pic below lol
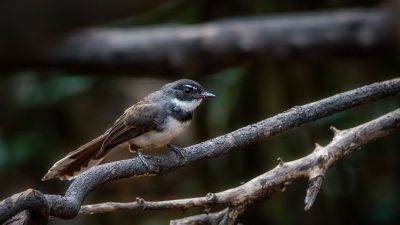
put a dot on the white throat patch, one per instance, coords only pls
(186, 105)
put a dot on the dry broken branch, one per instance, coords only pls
(68, 206)
(205, 48)
(217, 218)
(312, 166)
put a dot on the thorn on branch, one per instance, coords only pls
(314, 185)
(280, 162)
(335, 130)
(317, 147)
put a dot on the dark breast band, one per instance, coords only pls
(181, 115)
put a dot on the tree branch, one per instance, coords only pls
(68, 206)
(205, 48)
(31, 200)
(217, 218)
(312, 166)
(228, 216)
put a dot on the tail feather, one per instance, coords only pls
(78, 161)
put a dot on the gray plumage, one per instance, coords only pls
(150, 123)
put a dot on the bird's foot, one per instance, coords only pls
(141, 157)
(135, 149)
(177, 150)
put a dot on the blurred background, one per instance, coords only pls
(63, 83)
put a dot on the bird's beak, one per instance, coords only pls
(207, 94)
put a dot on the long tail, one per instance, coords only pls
(78, 161)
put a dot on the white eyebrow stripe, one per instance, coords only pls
(190, 86)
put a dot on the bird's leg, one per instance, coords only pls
(135, 148)
(177, 150)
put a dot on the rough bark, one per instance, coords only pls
(313, 166)
(68, 206)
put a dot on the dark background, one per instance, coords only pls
(48, 112)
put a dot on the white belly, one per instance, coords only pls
(155, 139)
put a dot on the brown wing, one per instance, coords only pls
(136, 121)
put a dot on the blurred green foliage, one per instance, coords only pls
(33, 90)
(20, 149)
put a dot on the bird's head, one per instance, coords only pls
(186, 94)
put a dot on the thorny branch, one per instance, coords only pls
(312, 166)
(68, 206)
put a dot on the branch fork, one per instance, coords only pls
(259, 188)
(313, 166)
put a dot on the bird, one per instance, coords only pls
(150, 123)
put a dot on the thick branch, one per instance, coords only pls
(270, 182)
(31, 200)
(68, 206)
(213, 46)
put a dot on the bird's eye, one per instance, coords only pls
(188, 90)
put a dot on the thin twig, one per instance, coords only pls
(216, 218)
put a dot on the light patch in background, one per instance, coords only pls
(32, 89)
(226, 86)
